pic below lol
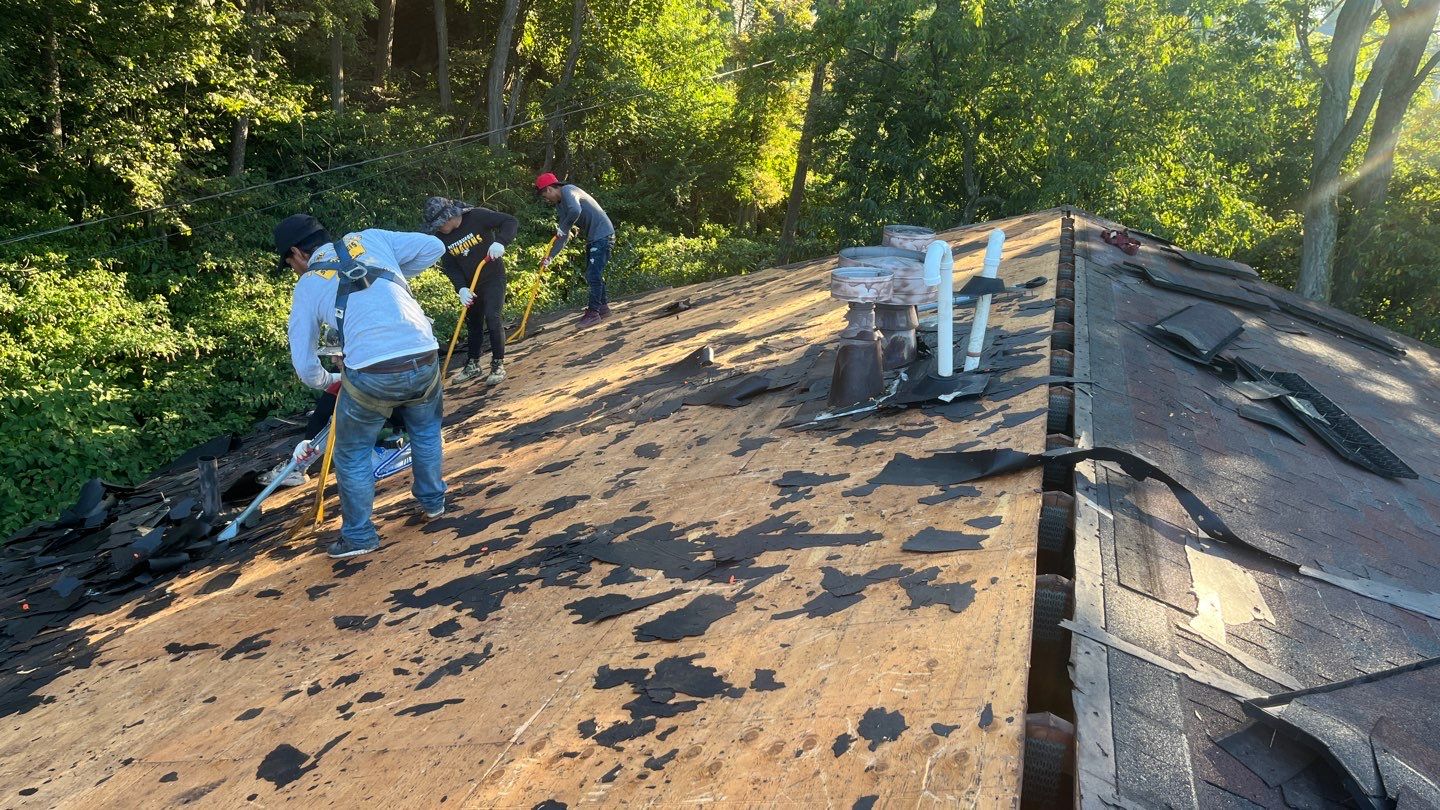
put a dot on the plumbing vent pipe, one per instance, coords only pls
(940, 269)
(982, 307)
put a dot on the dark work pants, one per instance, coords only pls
(484, 315)
(597, 255)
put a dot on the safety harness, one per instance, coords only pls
(354, 276)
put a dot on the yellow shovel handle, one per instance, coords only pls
(459, 322)
(534, 291)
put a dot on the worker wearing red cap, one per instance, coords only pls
(576, 207)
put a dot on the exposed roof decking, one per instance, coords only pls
(516, 738)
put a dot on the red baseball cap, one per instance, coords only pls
(545, 181)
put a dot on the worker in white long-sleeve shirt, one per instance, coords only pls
(361, 290)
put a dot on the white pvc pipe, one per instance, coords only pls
(982, 307)
(940, 269)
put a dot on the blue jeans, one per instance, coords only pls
(597, 254)
(356, 428)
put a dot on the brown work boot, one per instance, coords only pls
(589, 317)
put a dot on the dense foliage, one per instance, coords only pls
(126, 341)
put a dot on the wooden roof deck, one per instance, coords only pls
(448, 669)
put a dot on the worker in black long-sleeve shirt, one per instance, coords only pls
(470, 235)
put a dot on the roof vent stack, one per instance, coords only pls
(940, 269)
(859, 375)
(982, 307)
(895, 318)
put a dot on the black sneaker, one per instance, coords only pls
(342, 548)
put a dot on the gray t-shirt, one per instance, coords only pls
(576, 207)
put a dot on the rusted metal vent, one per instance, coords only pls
(1049, 761)
(1062, 363)
(858, 376)
(908, 266)
(1054, 596)
(895, 317)
(1062, 402)
(1063, 337)
(907, 237)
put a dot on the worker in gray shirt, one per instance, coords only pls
(576, 207)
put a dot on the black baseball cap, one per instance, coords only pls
(294, 231)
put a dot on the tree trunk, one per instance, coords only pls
(337, 69)
(384, 43)
(513, 107)
(442, 51)
(240, 132)
(54, 91)
(802, 164)
(1337, 125)
(1372, 185)
(239, 136)
(968, 176)
(555, 140)
(495, 101)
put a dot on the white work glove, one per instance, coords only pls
(333, 380)
(559, 234)
(305, 453)
(496, 251)
(466, 297)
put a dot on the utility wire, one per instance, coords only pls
(456, 141)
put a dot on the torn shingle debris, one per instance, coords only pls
(1331, 423)
(691, 620)
(932, 540)
(946, 468)
(1200, 285)
(1378, 728)
(1204, 328)
(1265, 416)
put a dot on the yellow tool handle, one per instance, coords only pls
(325, 463)
(459, 322)
(534, 291)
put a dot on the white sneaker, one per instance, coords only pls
(296, 478)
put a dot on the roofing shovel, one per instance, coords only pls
(965, 300)
(234, 528)
(455, 338)
(534, 291)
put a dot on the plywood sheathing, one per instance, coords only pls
(512, 689)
